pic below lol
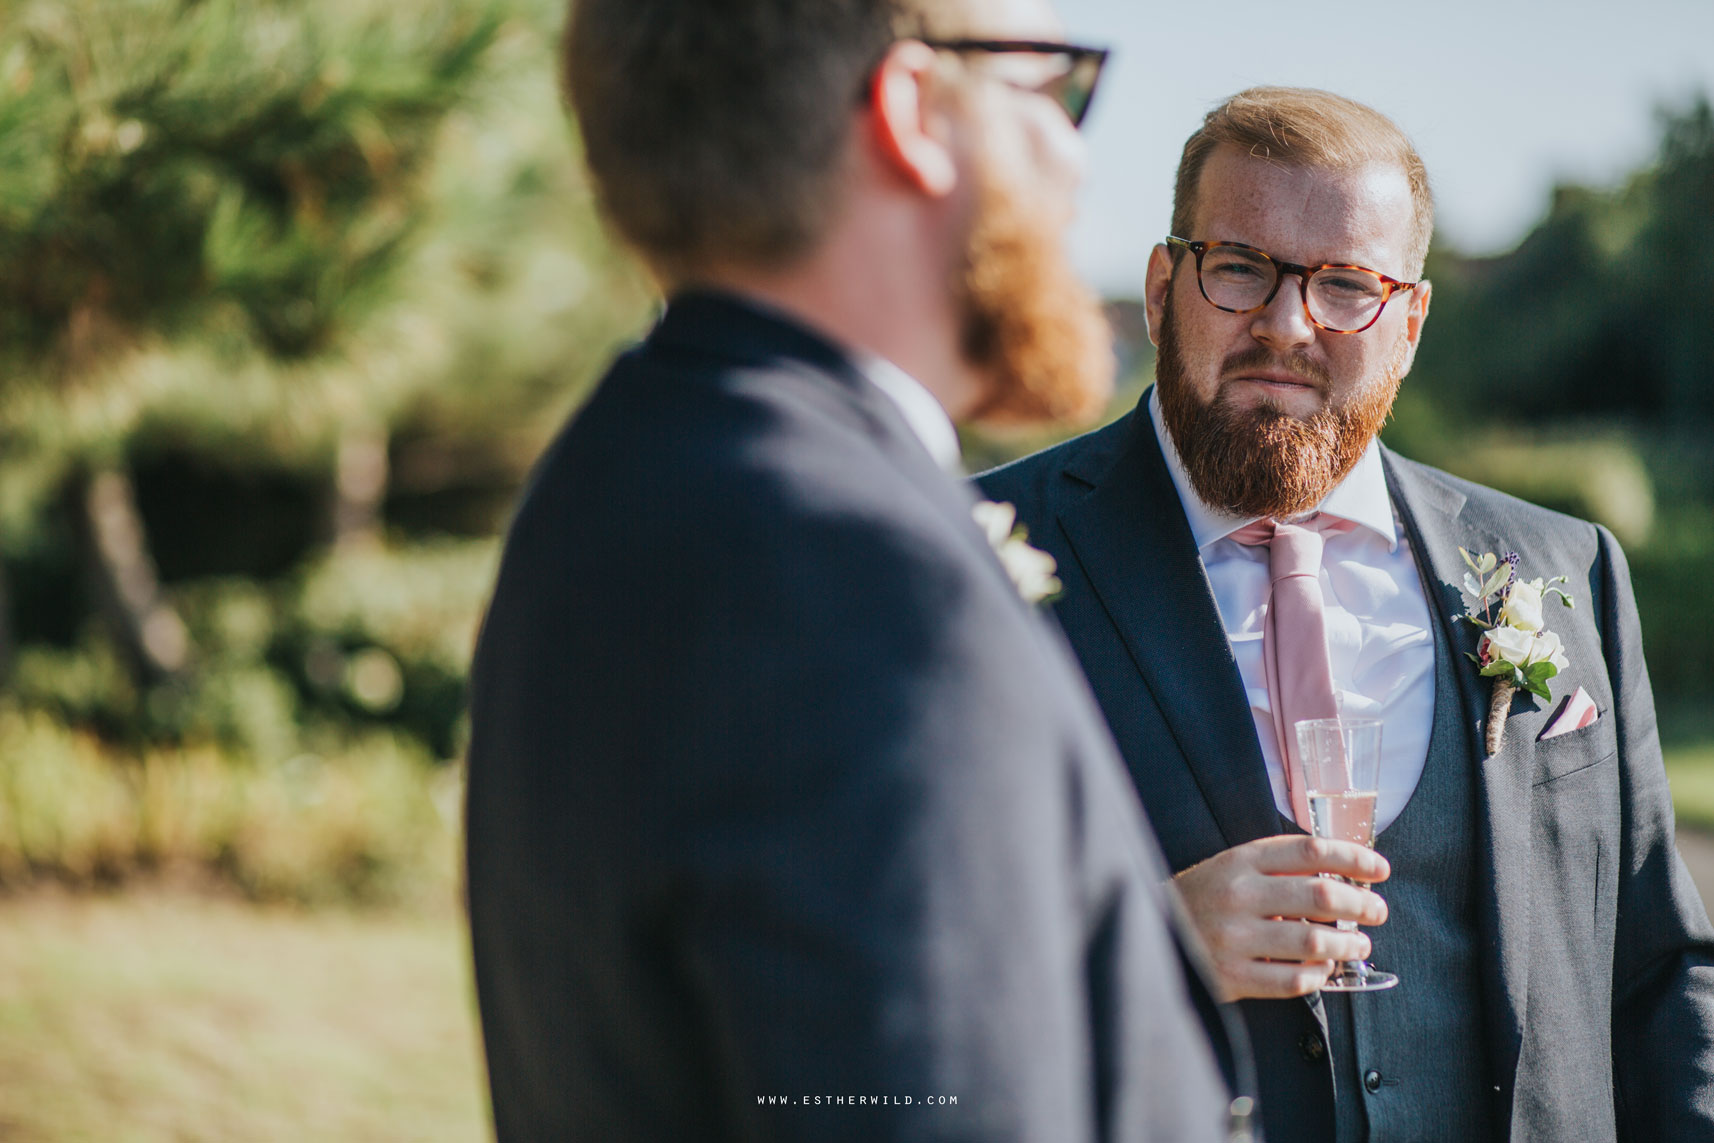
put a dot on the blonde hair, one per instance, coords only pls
(1303, 127)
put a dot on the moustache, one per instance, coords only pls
(1259, 359)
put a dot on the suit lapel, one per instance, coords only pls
(1131, 538)
(1433, 514)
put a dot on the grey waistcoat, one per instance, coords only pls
(1409, 1063)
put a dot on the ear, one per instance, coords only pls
(1155, 287)
(1415, 318)
(911, 135)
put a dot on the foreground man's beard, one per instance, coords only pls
(1030, 323)
(1262, 461)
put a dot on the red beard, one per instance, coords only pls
(1262, 461)
(1029, 322)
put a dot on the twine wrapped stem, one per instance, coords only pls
(1499, 705)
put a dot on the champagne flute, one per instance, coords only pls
(1339, 764)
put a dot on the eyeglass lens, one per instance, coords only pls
(1075, 87)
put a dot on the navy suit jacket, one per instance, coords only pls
(1600, 1014)
(787, 818)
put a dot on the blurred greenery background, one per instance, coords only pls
(291, 296)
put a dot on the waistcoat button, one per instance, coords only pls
(1311, 1046)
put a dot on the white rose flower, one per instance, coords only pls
(1549, 648)
(995, 519)
(1030, 568)
(1511, 644)
(1523, 605)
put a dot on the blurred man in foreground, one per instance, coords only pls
(1554, 960)
(788, 817)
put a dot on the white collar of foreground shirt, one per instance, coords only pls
(922, 411)
(1361, 497)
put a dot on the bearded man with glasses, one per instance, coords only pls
(789, 817)
(1555, 965)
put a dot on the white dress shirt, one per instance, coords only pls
(1378, 636)
(922, 411)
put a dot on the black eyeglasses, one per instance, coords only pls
(1241, 279)
(1072, 88)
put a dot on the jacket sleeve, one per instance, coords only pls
(1663, 967)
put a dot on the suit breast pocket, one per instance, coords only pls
(1572, 753)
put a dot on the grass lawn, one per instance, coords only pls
(1687, 741)
(175, 1017)
(159, 1016)
(1690, 769)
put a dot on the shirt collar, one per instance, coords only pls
(922, 411)
(1361, 497)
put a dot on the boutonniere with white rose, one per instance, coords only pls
(1030, 568)
(1517, 651)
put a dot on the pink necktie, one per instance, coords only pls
(1294, 635)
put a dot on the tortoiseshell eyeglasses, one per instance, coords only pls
(1241, 279)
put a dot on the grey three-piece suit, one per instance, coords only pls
(1557, 962)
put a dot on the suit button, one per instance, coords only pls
(1311, 1046)
(1371, 1081)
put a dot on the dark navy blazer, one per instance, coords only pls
(788, 819)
